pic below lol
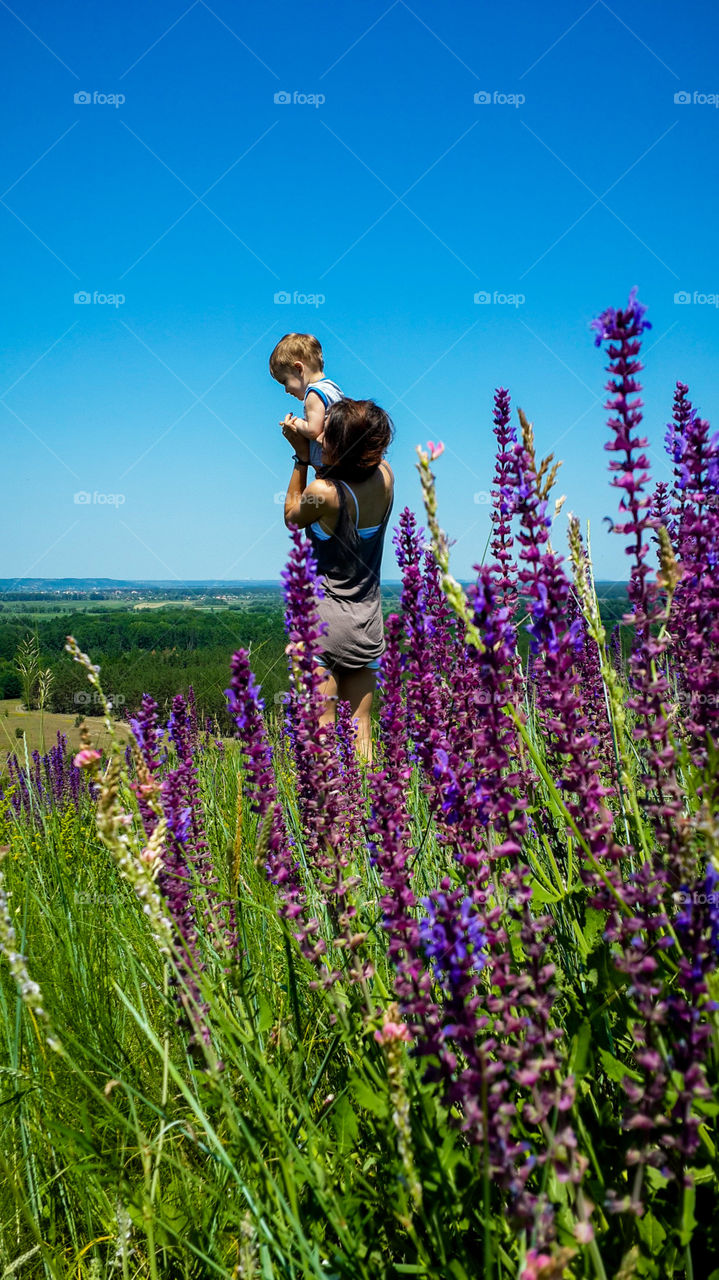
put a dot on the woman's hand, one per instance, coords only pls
(299, 442)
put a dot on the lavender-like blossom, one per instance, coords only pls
(175, 883)
(146, 729)
(53, 781)
(649, 888)
(675, 442)
(569, 744)
(630, 474)
(696, 600)
(146, 784)
(192, 716)
(246, 707)
(427, 705)
(196, 843)
(392, 852)
(687, 1010)
(451, 935)
(661, 509)
(319, 780)
(501, 546)
(588, 667)
(351, 797)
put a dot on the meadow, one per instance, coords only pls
(267, 1010)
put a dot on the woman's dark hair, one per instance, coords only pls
(357, 436)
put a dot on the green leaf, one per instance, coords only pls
(266, 1014)
(704, 1135)
(542, 895)
(615, 1069)
(345, 1124)
(580, 1049)
(655, 1178)
(706, 1108)
(594, 923)
(651, 1232)
(371, 1099)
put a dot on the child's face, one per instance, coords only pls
(294, 381)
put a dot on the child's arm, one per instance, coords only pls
(316, 410)
(313, 425)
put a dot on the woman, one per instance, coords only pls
(346, 510)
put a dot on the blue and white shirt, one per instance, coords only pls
(329, 393)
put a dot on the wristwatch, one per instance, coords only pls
(303, 462)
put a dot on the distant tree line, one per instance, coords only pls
(159, 651)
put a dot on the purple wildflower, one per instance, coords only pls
(451, 934)
(319, 780)
(175, 883)
(246, 708)
(647, 890)
(196, 843)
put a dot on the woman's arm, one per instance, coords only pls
(305, 503)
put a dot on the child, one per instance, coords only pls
(297, 363)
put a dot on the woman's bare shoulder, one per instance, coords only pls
(326, 490)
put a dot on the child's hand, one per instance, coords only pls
(299, 425)
(296, 438)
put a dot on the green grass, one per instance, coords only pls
(294, 1145)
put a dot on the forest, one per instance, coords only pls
(163, 650)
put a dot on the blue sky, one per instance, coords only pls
(395, 200)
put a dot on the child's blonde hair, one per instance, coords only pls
(296, 346)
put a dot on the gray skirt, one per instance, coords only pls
(355, 635)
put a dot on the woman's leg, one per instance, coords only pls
(358, 688)
(329, 690)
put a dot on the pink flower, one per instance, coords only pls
(584, 1232)
(86, 757)
(435, 449)
(392, 1031)
(535, 1262)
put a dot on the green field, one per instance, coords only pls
(39, 731)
